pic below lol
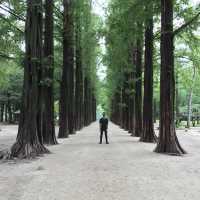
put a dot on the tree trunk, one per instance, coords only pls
(189, 113)
(131, 103)
(6, 112)
(67, 85)
(138, 88)
(155, 110)
(86, 99)
(27, 144)
(79, 76)
(177, 102)
(48, 126)
(9, 107)
(2, 112)
(133, 95)
(168, 142)
(148, 134)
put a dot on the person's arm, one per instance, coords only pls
(107, 123)
(100, 124)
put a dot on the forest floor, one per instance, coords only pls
(81, 169)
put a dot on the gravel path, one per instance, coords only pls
(81, 169)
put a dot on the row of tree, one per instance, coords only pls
(126, 40)
(46, 44)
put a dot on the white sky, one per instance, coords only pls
(99, 7)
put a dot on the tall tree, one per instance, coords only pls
(67, 62)
(71, 69)
(48, 125)
(27, 143)
(79, 74)
(138, 88)
(148, 124)
(168, 141)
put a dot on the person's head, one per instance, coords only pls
(104, 114)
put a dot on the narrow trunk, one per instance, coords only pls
(148, 134)
(190, 100)
(133, 95)
(177, 102)
(2, 112)
(138, 88)
(10, 118)
(189, 112)
(86, 99)
(131, 103)
(79, 75)
(64, 88)
(48, 126)
(155, 110)
(6, 112)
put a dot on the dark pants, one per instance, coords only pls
(106, 135)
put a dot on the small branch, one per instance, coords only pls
(7, 21)
(57, 10)
(181, 28)
(12, 13)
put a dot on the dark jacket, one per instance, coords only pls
(103, 123)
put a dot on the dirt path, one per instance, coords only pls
(81, 169)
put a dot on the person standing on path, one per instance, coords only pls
(103, 123)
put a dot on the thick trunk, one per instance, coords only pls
(168, 141)
(48, 125)
(66, 91)
(148, 134)
(27, 144)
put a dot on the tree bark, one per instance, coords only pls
(27, 144)
(79, 76)
(2, 112)
(138, 88)
(148, 134)
(48, 126)
(177, 101)
(190, 95)
(168, 142)
(67, 84)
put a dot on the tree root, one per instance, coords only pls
(173, 148)
(27, 151)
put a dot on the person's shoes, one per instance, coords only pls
(100, 142)
(107, 142)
